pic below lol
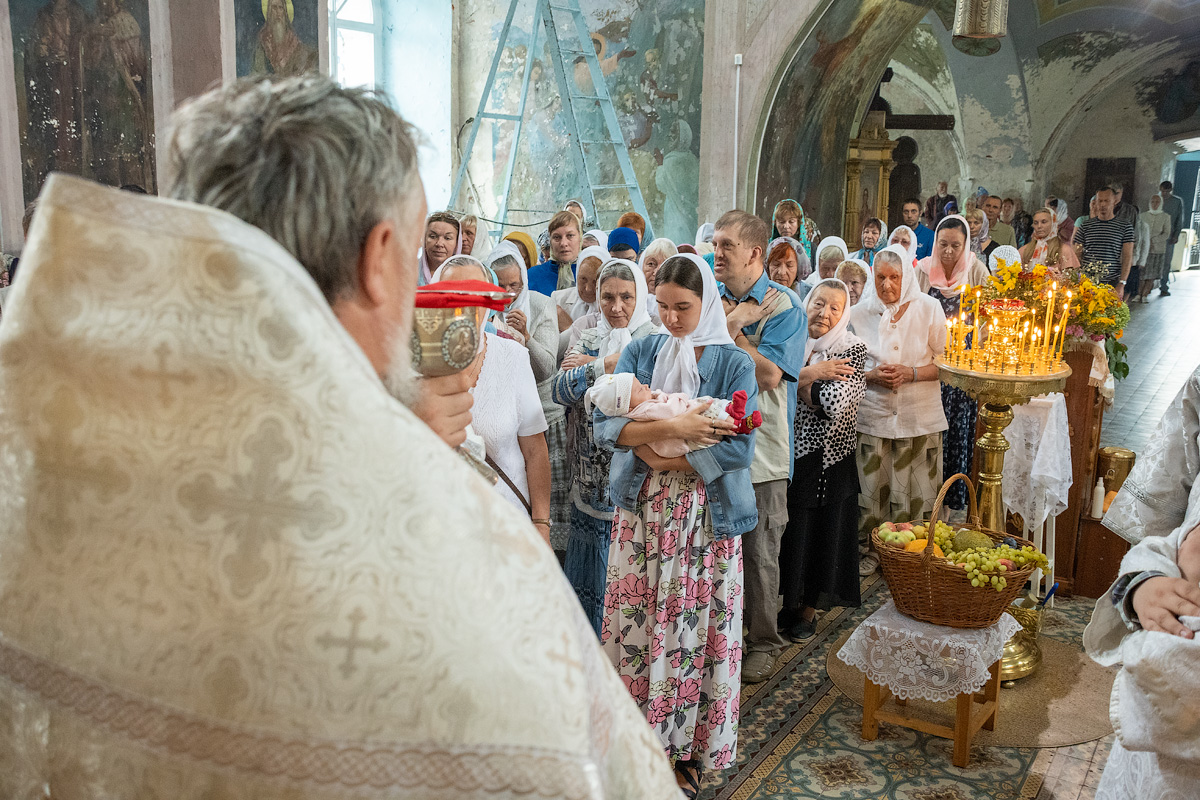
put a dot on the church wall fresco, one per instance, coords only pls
(276, 37)
(84, 97)
(651, 53)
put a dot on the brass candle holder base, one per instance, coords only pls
(997, 393)
(1022, 653)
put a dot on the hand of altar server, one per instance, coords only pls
(1160, 602)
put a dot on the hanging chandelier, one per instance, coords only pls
(979, 25)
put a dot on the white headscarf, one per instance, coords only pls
(581, 307)
(953, 284)
(424, 274)
(837, 338)
(912, 238)
(507, 248)
(829, 241)
(613, 340)
(909, 288)
(675, 367)
(705, 233)
(601, 238)
(1006, 253)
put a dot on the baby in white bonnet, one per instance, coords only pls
(623, 395)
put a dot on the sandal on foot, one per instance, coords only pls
(690, 771)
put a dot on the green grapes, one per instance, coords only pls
(983, 565)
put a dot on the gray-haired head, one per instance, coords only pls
(614, 269)
(891, 258)
(314, 165)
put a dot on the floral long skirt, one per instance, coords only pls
(673, 618)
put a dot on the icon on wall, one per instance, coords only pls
(84, 98)
(276, 37)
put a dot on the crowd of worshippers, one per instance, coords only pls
(707, 432)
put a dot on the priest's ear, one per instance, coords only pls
(387, 263)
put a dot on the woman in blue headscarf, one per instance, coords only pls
(789, 220)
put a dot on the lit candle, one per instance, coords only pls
(1050, 310)
(1052, 358)
(1021, 348)
(975, 344)
(949, 353)
(1062, 337)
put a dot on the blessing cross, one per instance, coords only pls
(352, 643)
(163, 375)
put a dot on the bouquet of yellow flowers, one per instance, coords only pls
(1096, 312)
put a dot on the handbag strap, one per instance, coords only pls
(508, 482)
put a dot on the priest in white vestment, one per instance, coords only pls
(232, 565)
(1148, 621)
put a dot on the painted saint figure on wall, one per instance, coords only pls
(276, 37)
(116, 116)
(84, 97)
(280, 51)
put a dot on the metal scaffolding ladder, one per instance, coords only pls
(592, 157)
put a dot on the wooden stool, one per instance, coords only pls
(966, 724)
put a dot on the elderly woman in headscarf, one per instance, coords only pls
(1047, 246)
(947, 275)
(789, 220)
(788, 264)
(873, 237)
(818, 558)
(856, 275)
(831, 252)
(577, 302)
(443, 239)
(900, 418)
(525, 245)
(532, 321)
(596, 238)
(982, 243)
(651, 259)
(906, 238)
(673, 610)
(508, 413)
(623, 319)
(1063, 224)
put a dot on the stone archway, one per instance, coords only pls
(821, 98)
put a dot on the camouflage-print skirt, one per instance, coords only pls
(898, 479)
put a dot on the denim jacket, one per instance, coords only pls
(724, 467)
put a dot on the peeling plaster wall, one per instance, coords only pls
(1115, 127)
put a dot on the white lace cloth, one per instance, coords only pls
(919, 660)
(1037, 468)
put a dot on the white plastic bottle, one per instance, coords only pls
(1098, 499)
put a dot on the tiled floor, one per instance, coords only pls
(1071, 773)
(1164, 348)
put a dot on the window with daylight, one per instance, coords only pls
(356, 46)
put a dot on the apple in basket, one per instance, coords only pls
(898, 534)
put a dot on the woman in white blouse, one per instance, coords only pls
(900, 420)
(507, 413)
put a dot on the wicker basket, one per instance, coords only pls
(932, 589)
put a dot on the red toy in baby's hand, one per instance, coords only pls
(737, 412)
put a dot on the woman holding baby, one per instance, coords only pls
(673, 609)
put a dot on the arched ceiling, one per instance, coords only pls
(1058, 56)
